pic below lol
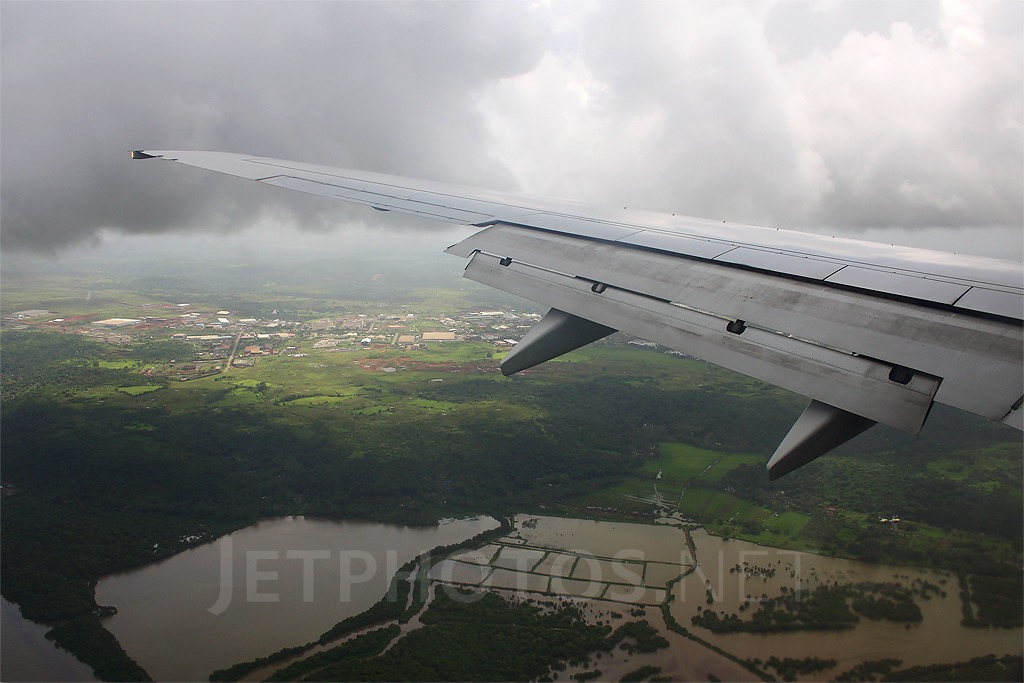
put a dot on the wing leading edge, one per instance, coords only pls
(869, 332)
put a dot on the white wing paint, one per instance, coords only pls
(869, 332)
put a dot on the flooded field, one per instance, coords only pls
(938, 637)
(615, 564)
(576, 557)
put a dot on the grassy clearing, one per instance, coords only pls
(99, 392)
(321, 401)
(632, 493)
(681, 462)
(139, 390)
(120, 364)
(957, 470)
(499, 410)
(624, 497)
(710, 504)
(680, 465)
(730, 462)
(456, 352)
(633, 487)
(990, 463)
(238, 397)
(787, 523)
(372, 410)
(432, 406)
(242, 383)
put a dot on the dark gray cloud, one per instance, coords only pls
(380, 86)
(834, 115)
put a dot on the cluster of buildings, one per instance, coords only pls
(407, 331)
(216, 334)
(220, 337)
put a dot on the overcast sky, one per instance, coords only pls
(891, 120)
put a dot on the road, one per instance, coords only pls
(234, 348)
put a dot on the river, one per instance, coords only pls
(276, 584)
(29, 656)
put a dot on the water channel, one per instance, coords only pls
(276, 584)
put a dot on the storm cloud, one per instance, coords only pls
(807, 115)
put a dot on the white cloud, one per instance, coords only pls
(691, 107)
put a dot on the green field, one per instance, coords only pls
(684, 463)
(139, 390)
(787, 523)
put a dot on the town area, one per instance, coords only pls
(223, 340)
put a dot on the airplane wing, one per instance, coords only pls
(871, 333)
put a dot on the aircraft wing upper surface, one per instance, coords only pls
(869, 332)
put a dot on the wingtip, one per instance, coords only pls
(139, 154)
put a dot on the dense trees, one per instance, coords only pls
(990, 668)
(641, 673)
(49, 362)
(826, 608)
(162, 350)
(992, 600)
(322, 664)
(472, 636)
(789, 668)
(95, 646)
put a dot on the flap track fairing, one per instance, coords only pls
(556, 334)
(819, 429)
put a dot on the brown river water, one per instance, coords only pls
(283, 582)
(279, 583)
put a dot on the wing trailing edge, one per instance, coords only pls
(871, 333)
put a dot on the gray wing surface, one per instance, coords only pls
(871, 333)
